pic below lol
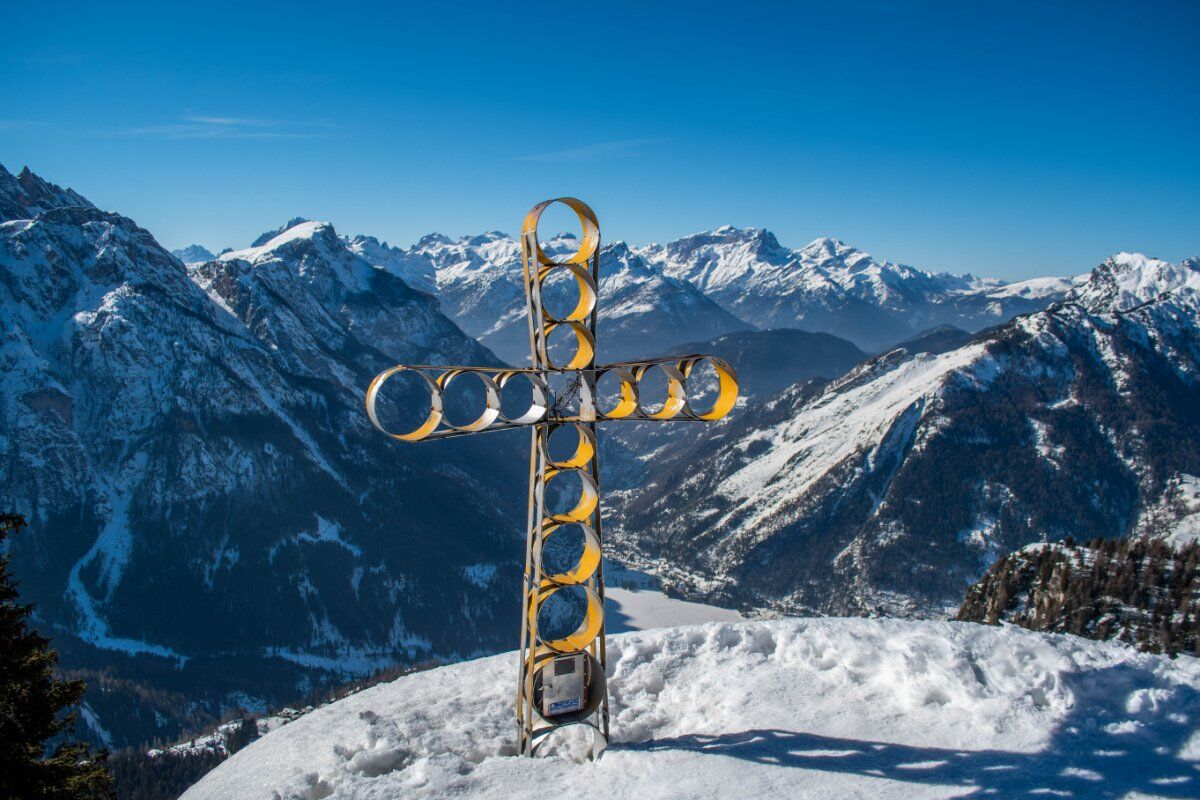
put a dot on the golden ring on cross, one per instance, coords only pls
(587, 292)
(588, 242)
(676, 399)
(589, 495)
(589, 560)
(585, 345)
(539, 401)
(589, 628)
(727, 387)
(585, 447)
(491, 391)
(627, 401)
(435, 404)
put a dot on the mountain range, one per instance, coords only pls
(211, 514)
(891, 488)
(214, 524)
(704, 286)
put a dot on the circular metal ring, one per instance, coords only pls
(595, 694)
(539, 403)
(541, 734)
(587, 564)
(585, 449)
(727, 389)
(491, 396)
(585, 345)
(435, 404)
(587, 293)
(676, 399)
(628, 402)
(589, 628)
(589, 495)
(587, 219)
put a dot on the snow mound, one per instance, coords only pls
(829, 708)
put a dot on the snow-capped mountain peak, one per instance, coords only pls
(1126, 280)
(433, 240)
(269, 235)
(294, 231)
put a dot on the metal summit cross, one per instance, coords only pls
(562, 681)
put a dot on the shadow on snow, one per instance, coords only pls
(1113, 742)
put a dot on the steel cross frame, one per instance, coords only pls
(546, 415)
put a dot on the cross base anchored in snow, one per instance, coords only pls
(562, 680)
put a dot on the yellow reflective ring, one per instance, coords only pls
(588, 562)
(589, 495)
(676, 397)
(587, 293)
(628, 401)
(727, 390)
(585, 448)
(491, 408)
(585, 634)
(435, 404)
(585, 345)
(588, 242)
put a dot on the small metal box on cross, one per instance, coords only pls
(561, 681)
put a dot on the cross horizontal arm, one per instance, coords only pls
(543, 409)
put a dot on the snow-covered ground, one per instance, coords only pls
(643, 609)
(1187, 527)
(820, 708)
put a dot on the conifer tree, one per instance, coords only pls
(35, 708)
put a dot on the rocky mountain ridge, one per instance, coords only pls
(211, 515)
(892, 488)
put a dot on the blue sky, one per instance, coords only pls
(1010, 139)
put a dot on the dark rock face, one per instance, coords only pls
(213, 522)
(770, 361)
(26, 195)
(894, 487)
(1143, 592)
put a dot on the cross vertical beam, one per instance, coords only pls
(562, 681)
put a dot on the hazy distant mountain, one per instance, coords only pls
(770, 361)
(479, 281)
(939, 339)
(832, 287)
(193, 254)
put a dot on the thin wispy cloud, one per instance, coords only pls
(218, 127)
(593, 152)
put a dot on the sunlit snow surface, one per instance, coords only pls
(822, 708)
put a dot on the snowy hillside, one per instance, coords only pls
(895, 486)
(209, 509)
(832, 708)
